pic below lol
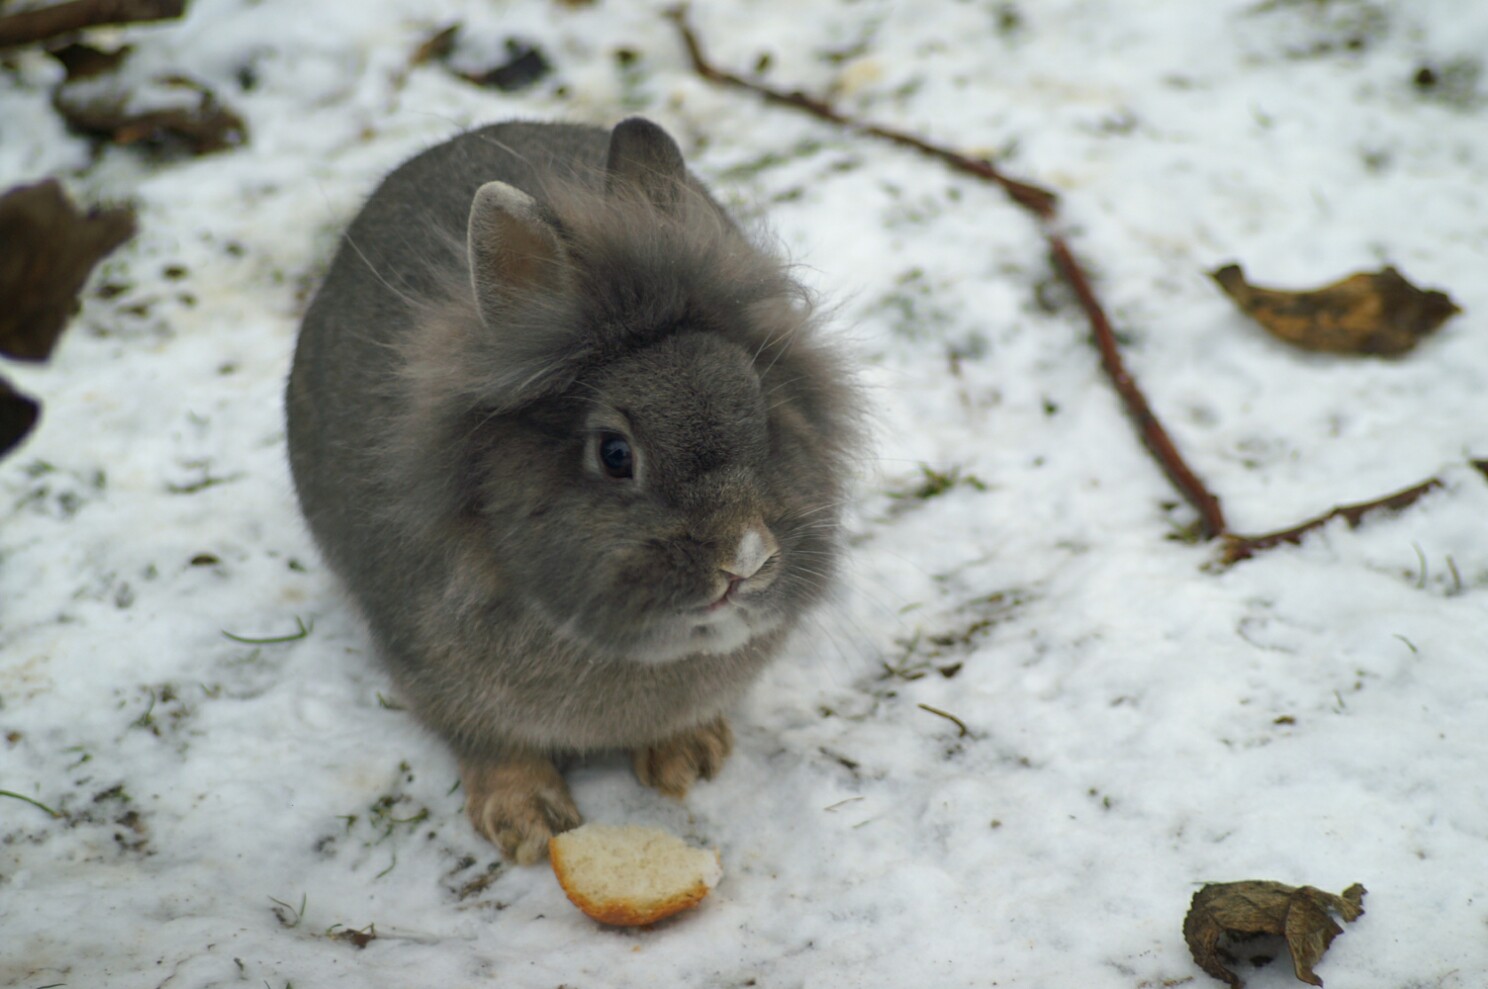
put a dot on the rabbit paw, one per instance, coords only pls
(673, 765)
(518, 803)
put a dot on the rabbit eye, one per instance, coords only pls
(615, 456)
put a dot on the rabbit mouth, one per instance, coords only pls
(723, 626)
(729, 596)
(736, 586)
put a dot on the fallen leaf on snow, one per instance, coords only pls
(47, 249)
(524, 64)
(1379, 313)
(1223, 912)
(81, 61)
(17, 416)
(46, 23)
(100, 97)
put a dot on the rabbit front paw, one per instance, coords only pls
(518, 803)
(673, 765)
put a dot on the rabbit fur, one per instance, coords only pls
(571, 441)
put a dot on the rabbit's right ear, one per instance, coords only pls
(644, 157)
(513, 249)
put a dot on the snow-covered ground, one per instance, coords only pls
(1136, 724)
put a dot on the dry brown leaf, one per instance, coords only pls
(1379, 313)
(44, 23)
(1228, 912)
(17, 415)
(99, 97)
(81, 61)
(47, 249)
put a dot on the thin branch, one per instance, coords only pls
(27, 26)
(1042, 203)
(1237, 548)
(1154, 436)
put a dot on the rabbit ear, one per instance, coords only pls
(643, 156)
(513, 249)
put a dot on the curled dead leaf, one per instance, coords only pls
(1224, 913)
(47, 249)
(1379, 313)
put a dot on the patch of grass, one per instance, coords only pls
(932, 483)
(770, 159)
(289, 916)
(479, 883)
(165, 711)
(912, 308)
(207, 480)
(924, 652)
(303, 632)
(34, 803)
(938, 483)
(389, 820)
(59, 493)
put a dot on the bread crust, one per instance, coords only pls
(615, 910)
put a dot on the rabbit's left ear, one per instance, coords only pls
(643, 156)
(513, 249)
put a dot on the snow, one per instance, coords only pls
(1137, 722)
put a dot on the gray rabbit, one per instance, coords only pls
(569, 438)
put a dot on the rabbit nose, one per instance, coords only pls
(755, 549)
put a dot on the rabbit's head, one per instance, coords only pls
(628, 414)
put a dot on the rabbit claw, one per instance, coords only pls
(517, 804)
(674, 764)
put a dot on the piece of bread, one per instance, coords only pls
(629, 875)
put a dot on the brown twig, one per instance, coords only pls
(1042, 203)
(1154, 436)
(28, 26)
(1237, 548)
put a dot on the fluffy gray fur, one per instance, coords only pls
(470, 343)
